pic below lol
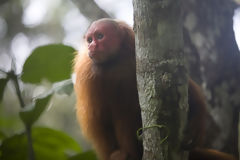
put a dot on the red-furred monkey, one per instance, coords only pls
(107, 99)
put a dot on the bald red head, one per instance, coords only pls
(104, 39)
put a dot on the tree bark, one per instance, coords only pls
(162, 77)
(209, 27)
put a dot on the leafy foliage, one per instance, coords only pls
(52, 62)
(48, 144)
(31, 113)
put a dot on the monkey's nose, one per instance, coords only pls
(92, 46)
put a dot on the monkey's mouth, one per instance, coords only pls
(93, 55)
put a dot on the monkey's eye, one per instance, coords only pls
(99, 36)
(89, 39)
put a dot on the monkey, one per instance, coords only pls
(107, 99)
(108, 107)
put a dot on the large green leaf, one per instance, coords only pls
(32, 112)
(47, 141)
(48, 144)
(52, 62)
(2, 136)
(3, 83)
(14, 148)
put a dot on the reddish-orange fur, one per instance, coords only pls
(107, 102)
(107, 99)
(209, 154)
(195, 129)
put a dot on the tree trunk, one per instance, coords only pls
(162, 78)
(212, 47)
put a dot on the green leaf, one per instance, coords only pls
(2, 135)
(63, 87)
(47, 141)
(14, 148)
(89, 155)
(3, 83)
(52, 62)
(32, 112)
(48, 144)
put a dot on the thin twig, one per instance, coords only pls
(19, 95)
(31, 155)
(22, 104)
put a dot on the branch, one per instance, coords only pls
(30, 144)
(14, 77)
(16, 83)
(90, 9)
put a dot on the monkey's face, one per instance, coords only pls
(104, 40)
